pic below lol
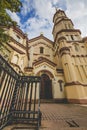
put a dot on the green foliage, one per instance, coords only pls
(3, 37)
(5, 19)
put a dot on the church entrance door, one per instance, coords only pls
(46, 87)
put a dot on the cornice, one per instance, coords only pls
(76, 41)
(75, 83)
(17, 50)
(16, 29)
(19, 44)
(19, 31)
(66, 30)
(79, 55)
(63, 19)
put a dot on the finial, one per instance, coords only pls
(41, 33)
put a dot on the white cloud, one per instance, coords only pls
(33, 27)
(54, 1)
(26, 7)
(77, 11)
(44, 9)
(42, 21)
(14, 16)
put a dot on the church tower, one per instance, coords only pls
(72, 52)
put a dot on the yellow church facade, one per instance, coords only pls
(62, 63)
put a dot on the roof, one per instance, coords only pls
(40, 37)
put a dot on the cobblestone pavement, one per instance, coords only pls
(61, 117)
(64, 117)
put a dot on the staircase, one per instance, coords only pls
(18, 104)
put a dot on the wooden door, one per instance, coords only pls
(46, 87)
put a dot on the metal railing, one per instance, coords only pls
(19, 97)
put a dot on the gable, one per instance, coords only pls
(40, 40)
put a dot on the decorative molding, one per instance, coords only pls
(59, 70)
(66, 30)
(19, 44)
(64, 49)
(17, 50)
(74, 41)
(19, 31)
(41, 54)
(79, 55)
(47, 55)
(62, 38)
(62, 19)
(36, 44)
(50, 74)
(28, 69)
(64, 53)
(42, 59)
(16, 29)
(36, 54)
(77, 101)
(75, 83)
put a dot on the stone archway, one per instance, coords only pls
(46, 87)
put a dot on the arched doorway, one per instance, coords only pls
(46, 87)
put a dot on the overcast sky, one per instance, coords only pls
(36, 16)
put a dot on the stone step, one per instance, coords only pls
(53, 101)
(20, 127)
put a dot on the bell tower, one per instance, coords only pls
(64, 27)
(67, 47)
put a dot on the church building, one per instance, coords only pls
(62, 63)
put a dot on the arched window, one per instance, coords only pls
(72, 37)
(60, 84)
(41, 50)
(22, 62)
(15, 59)
(17, 38)
(76, 47)
(67, 37)
(76, 37)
